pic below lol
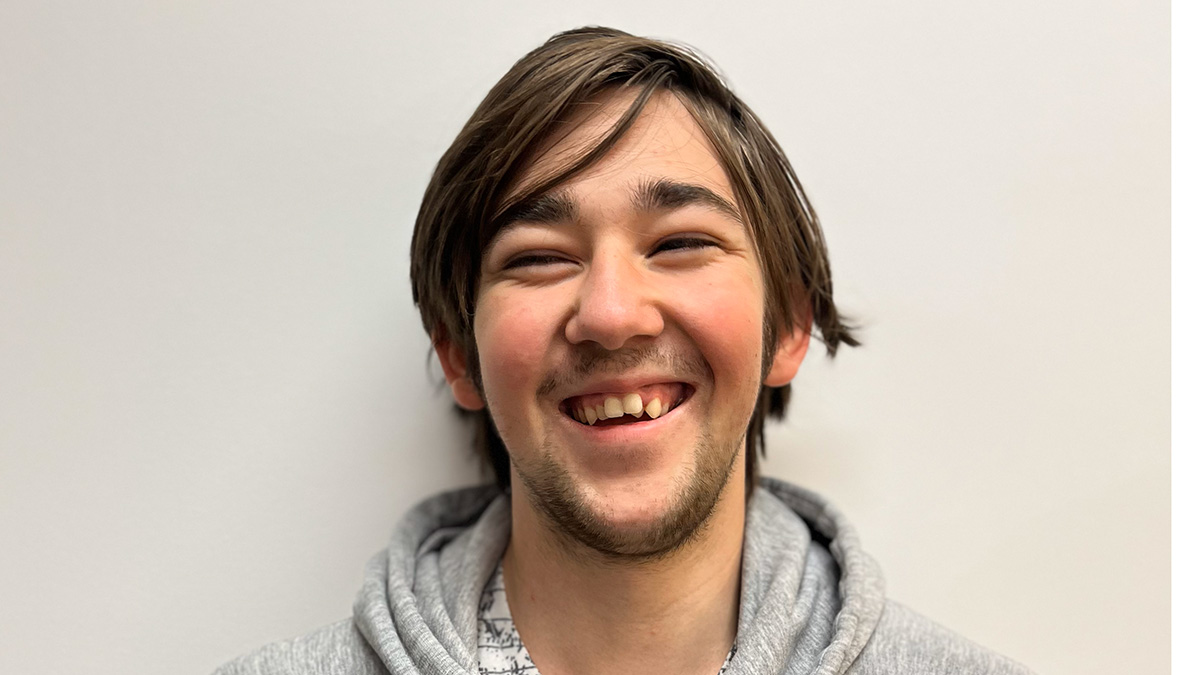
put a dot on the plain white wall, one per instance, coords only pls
(214, 397)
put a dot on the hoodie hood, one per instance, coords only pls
(810, 597)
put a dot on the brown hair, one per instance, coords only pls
(468, 195)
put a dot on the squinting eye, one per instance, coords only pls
(684, 244)
(532, 260)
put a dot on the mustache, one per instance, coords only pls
(590, 360)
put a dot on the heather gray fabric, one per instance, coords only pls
(812, 601)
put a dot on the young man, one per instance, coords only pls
(620, 274)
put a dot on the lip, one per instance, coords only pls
(671, 393)
(622, 385)
(676, 400)
(630, 435)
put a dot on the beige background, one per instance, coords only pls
(214, 400)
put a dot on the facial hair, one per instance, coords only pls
(556, 498)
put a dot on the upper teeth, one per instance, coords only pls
(613, 406)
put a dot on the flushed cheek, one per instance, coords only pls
(513, 335)
(725, 321)
(725, 311)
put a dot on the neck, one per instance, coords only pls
(580, 613)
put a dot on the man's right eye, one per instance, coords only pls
(533, 260)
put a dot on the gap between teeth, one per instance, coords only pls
(613, 407)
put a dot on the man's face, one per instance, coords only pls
(632, 285)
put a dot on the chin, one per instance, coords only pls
(630, 509)
(631, 518)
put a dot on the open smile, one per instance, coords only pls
(624, 408)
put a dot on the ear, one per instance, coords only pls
(789, 353)
(454, 366)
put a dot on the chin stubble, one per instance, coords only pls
(560, 505)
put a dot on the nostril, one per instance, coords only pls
(612, 317)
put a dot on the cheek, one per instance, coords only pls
(512, 333)
(725, 318)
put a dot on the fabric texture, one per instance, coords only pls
(501, 651)
(812, 601)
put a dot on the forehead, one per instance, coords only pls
(664, 142)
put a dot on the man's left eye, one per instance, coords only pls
(684, 244)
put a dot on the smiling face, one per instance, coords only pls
(619, 328)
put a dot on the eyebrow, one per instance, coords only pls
(549, 208)
(661, 194)
(664, 194)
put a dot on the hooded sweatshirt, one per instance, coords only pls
(812, 602)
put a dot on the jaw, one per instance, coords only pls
(648, 505)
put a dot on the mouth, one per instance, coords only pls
(617, 408)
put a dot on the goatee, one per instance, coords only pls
(556, 498)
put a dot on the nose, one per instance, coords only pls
(617, 302)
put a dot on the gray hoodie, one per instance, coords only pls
(811, 600)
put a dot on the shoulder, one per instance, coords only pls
(907, 643)
(335, 649)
